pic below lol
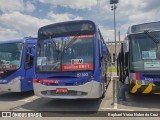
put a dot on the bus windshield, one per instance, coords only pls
(145, 52)
(10, 56)
(69, 53)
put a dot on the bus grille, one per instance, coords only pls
(69, 93)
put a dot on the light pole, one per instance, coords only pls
(113, 8)
(113, 2)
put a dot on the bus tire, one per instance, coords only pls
(105, 89)
(103, 95)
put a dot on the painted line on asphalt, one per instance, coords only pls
(115, 94)
(116, 109)
(113, 100)
(114, 91)
(29, 99)
(15, 108)
(26, 100)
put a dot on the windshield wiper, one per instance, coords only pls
(151, 36)
(66, 46)
(72, 41)
(55, 45)
(57, 49)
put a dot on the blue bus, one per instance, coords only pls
(17, 64)
(71, 61)
(139, 58)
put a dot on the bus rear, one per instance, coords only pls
(16, 66)
(68, 61)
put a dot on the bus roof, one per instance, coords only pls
(18, 40)
(66, 28)
(68, 22)
(139, 28)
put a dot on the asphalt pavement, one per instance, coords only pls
(29, 102)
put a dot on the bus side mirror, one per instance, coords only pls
(104, 50)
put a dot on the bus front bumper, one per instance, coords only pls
(143, 87)
(13, 86)
(89, 90)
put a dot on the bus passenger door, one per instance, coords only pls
(29, 67)
(102, 62)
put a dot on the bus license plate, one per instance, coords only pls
(61, 90)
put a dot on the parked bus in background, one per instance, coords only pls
(17, 64)
(71, 61)
(139, 58)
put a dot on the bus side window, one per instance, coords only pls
(100, 50)
(29, 59)
(100, 44)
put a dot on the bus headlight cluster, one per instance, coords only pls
(77, 83)
(15, 80)
(142, 82)
(139, 82)
(82, 82)
(146, 82)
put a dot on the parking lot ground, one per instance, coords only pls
(28, 102)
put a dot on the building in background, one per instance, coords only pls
(111, 47)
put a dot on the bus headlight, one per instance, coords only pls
(82, 82)
(90, 80)
(146, 82)
(77, 83)
(15, 80)
(139, 82)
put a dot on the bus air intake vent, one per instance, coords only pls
(69, 93)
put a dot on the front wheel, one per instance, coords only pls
(103, 95)
(104, 88)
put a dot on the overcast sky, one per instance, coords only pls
(21, 18)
